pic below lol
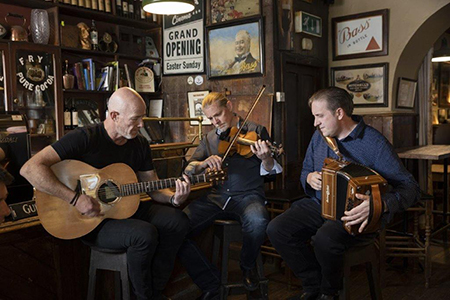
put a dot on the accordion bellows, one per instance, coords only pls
(341, 181)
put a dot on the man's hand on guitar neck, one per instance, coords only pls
(182, 190)
(88, 206)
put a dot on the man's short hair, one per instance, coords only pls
(214, 97)
(5, 176)
(335, 98)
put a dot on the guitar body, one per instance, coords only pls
(63, 220)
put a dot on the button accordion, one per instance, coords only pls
(341, 180)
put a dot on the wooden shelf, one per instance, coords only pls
(86, 13)
(42, 135)
(30, 3)
(87, 92)
(85, 52)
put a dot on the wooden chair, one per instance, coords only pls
(278, 201)
(405, 244)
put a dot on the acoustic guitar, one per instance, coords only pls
(115, 187)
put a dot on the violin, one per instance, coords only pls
(243, 143)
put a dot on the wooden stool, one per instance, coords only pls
(112, 260)
(278, 201)
(404, 244)
(362, 255)
(228, 231)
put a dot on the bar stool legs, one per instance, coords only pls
(226, 232)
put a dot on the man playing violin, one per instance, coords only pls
(152, 236)
(240, 198)
(321, 268)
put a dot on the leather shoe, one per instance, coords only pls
(305, 296)
(251, 279)
(328, 297)
(214, 295)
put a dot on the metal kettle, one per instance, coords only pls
(18, 32)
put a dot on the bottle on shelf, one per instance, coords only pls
(74, 114)
(130, 9)
(88, 3)
(81, 3)
(142, 11)
(119, 10)
(94, 4)
(94, 36)
(67, 116)
(101, 5)
(108, 6)
(125, 8)
(74, 2)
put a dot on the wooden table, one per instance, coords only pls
(432, 152)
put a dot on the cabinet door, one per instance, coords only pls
(3, 78)
(36, 90)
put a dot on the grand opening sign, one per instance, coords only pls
(183, 44)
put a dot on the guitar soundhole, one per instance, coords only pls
(108, 192)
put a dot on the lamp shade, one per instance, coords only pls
(443, 54)
(168, 7)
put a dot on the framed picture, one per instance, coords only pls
(235, 50)
(360, 35)
(367, 84)
(155, 108)
(222, 11)
(406, 92)
(195, 100)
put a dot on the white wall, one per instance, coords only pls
(405, 18)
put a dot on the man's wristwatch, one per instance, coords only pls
(172, 201)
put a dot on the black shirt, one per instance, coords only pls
(93, 146)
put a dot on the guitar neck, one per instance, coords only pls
(149, 186)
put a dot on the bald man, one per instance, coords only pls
(152, 236)
(243, 62)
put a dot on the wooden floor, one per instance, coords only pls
(402, 282)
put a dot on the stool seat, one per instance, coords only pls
(226, 232)
(111, 260)
(282, 195)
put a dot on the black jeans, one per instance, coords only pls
(319, 267)
(151, 238)
(249, 210)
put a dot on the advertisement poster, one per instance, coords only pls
(183, 42)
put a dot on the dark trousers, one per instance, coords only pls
(151, 238)
(249, 210)
(320, 267)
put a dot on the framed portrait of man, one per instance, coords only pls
(235, 50)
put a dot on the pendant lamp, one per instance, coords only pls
(443, 54)
(168, 7)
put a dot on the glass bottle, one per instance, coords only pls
(142, 11)
(74, 113)
(94, 36)
(125, 8)
(119, 10)
(67, 117)
(130, 9)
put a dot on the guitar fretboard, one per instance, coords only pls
(149, 186)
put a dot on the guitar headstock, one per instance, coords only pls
(216, 176)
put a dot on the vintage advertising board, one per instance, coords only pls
(183, 42)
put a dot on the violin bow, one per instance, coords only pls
(258, 96)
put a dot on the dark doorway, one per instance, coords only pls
(301, 78)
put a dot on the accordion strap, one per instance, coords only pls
(331, 142)
(376, 209)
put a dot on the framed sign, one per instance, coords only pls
(183, 48)
(195, 100)
(406, 92)
(367, 84)
(307, 23)
(155, 108)
(235, 50)
(360, 35)
(222, 11)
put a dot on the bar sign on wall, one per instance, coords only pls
(308, 23)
